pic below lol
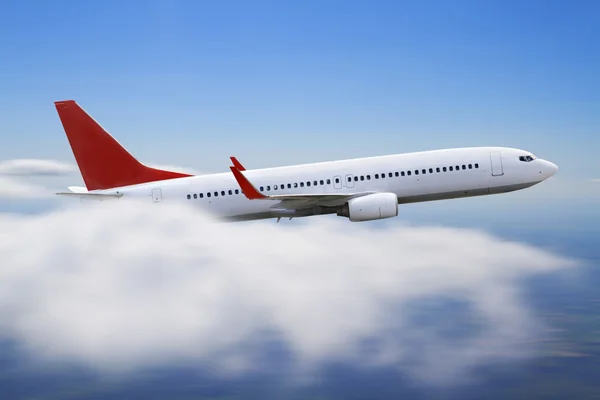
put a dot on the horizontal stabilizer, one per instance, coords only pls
(91, 195)
(77, 189)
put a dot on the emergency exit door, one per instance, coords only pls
(349, 181)
(156, 195)
(337, 182)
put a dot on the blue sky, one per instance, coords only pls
(273, 82)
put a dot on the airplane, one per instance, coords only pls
(360, 189)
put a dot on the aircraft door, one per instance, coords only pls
(156, 195)
(337, 182)
(496, 161)
(349, 181)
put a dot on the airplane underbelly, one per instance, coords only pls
(241, 206)
(435, 188)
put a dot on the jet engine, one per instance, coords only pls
(370, 207)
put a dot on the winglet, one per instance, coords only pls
(237, 164)
(247, 188)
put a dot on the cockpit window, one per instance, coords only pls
(528, 158)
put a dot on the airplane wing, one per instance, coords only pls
(293, 200)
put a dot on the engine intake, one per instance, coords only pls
(370, 207)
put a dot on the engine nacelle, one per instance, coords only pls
(370, 207)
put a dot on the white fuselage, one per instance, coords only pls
(412, 177)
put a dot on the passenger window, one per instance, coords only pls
(408, 173)
(308, 183)
(321, 182)
(315, 183)
(450, 168)
(397, 174)
(424, 171)
(476, 165)
(216, 194)
(368, 177)
(390, 174)
(201, 195)
(189, 196)
(268, 188)
(222, 193)
(383, 176)
(230, 192)
(376, 176)
(262, 188)
(337, 180)
(236, 192)
(208, 194)
(402, 173)
(470, 166)
(457, 167)
(275, 187)
(464, 166)
(329, 181)
(431, 170)
(301, 184)
(416, 172)
(362, 177)
(296, 184)
(349, 179)
(437, 169)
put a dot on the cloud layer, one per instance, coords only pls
(40, 179)
(35, 167)
(128, 285)
(15, 189)
(31, 178)
(175, 168)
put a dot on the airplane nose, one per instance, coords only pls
(548, 169)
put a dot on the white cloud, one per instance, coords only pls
(41, 167)
(16, 189)
(174, 168)
(35, 167)
(32, 178)
(39, 178)
(128, 285)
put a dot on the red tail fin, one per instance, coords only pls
(103, 162)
